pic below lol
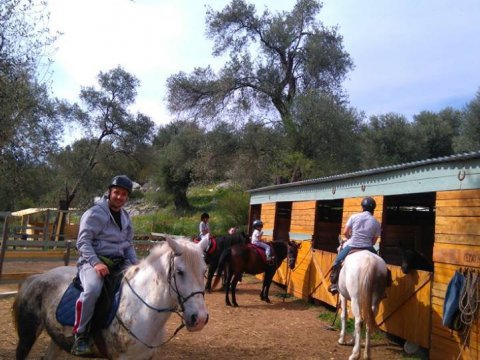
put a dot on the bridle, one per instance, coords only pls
(174, 309)
(180, 298)
(292, 254)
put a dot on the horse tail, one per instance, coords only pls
(224, 257)
(367, 280)
(27, 325)
(15, 312)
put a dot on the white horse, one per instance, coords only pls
(170, 279)
(362, 280)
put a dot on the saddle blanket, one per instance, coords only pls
(65, 312)
(260, 251)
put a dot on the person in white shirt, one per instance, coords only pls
(257, 239)
(362, 231)
(204, 230)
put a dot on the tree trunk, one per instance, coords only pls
(181, 201)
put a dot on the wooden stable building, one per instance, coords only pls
(430, 206)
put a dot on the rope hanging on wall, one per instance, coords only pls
(469, 297)
(468, 303)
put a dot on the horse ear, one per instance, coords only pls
(204, 244)
(174, 245)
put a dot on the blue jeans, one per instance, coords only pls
(344, 252)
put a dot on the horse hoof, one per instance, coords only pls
(347, 342)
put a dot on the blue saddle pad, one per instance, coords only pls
(66, 308)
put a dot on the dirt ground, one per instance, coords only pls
(288, 328)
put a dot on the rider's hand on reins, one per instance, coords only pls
(101, 269)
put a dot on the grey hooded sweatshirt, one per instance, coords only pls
(99, 234)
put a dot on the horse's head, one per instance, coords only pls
(411, 260)
(292, 253)
(407, 260)
(186, 278)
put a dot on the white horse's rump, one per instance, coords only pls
(363, 280)
(170, 279)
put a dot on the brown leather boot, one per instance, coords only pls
(334, 274)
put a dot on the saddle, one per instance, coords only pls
(354, 250)
(261, 252)
(212, 244)
(105, 308)
(389, 272)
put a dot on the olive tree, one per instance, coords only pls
(106, 119)
(272, 58)
(30, 128)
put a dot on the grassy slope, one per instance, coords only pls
(226, 207)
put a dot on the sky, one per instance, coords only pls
(409, 55)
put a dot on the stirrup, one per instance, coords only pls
(333, 289)
(81, 345)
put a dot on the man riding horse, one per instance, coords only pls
(105, 237)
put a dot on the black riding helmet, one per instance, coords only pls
(257, 223)
(122, 181)
(368, 204)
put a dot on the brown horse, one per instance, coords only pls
(217, 246)
(241, 259)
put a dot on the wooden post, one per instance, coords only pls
(67, 252)
(58, 230)
(4, 242)
(47, 221)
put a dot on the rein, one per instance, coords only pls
(181, 300)
(170, 309)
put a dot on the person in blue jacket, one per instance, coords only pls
(105, 236)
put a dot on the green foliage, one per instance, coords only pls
(469, 134)
(389, 139)
(177, 145)
(232, 210)
(328, 134)
(167, 222)
(272, 59)
(216, 153)
(260, 150)
(226, 207)
(278, 115)
(113, 129)
(328, 317)
(437, 132)
(29, 125)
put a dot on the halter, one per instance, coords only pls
(181, 300)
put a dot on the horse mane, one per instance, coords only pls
(189, 251)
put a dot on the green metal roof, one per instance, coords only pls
(461, 171)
